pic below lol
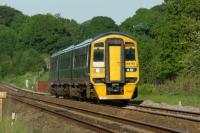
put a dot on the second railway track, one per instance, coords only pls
(181, 114)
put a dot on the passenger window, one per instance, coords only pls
(98, 55)
(129, 54)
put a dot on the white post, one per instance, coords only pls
(27, 83)
(2, 96)
(14, 116)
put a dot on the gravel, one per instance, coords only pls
(39, 121)
(179, 106)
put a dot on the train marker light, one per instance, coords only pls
(98, 70)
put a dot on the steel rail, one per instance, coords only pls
(62, 113)
(130, 122)
(187, 115)
(182, 114)
(150, 127)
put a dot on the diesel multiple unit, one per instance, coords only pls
(105, 67)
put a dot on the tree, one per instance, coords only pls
(175, 34)
(5, 65)
(74, 29)
(97, 25)
(28, 61)
(7, 15)
(44, 33)
(143, 28)
(165, 36)
(8, 39)
(192, 58)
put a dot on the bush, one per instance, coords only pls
(5, 65)
(28, 61)
(147, 89)
(187, 85)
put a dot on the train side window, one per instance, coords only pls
(98, 55)
(129, 54)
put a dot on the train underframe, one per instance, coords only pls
(96, 92)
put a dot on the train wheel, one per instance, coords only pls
(53, 90)
(97, 101)
(57, 91)
(125, 102)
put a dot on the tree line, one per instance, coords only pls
(168, 36)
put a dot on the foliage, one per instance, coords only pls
(143, 28)
(191, 61)
(20, 80)
(171, 98)
(44, 33)
(147, 89)
(28, 61)
(186, 85)
(97, 25)
(44, 77)
(5, 65)
(8, 39)
(167, 37)
(11, 17)
(8, 15)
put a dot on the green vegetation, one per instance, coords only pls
(44, 77)
(17, 127)
(152, 92)
(168, 36)
(169, 44)
(21, 79)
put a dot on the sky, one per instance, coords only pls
(82, 10)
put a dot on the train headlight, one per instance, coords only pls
(131, 69)
(98, 70)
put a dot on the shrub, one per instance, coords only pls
(5, 65)
(147, 89)
(28, 61)
(187, 85)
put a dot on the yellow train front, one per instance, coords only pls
(114, 67)
(111, 69)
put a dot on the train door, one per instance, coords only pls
(115, 60)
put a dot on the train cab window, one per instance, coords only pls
(98, 55)
(98, 45)
(129, 54)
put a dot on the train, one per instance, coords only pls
(105, 67)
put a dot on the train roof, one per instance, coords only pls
(110, 33)
(87, 42)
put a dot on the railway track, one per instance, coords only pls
(99, 121)
(62, 112)
(121, 124)
(181, 114)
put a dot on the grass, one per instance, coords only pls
(151, 92)
(44, 77)
(20, 80)
(18, 126)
